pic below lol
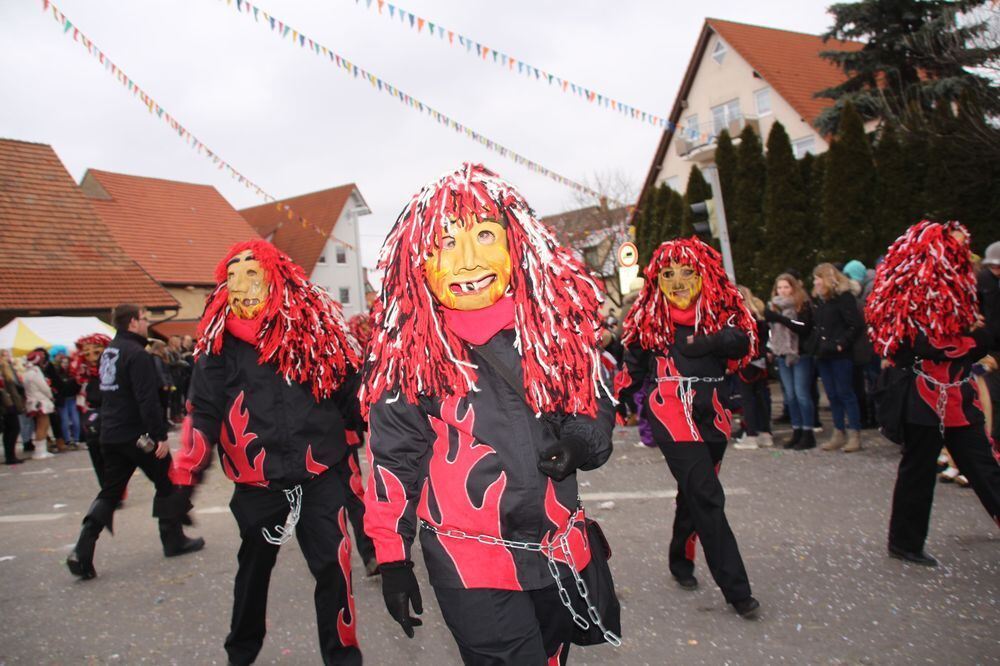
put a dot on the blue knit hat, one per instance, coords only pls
(855, 270)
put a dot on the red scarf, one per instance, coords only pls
(684, 317)
(244, 329)
(478, 326)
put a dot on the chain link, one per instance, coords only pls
(559, 544)
(686, 394)
(941, 405)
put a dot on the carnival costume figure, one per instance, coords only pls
(923, 317)
(688, 329)
(274, 386)
(484, 395)
(85, 368)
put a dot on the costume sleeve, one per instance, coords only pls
(632, 375)
(203, 424)
(346, 398)
(146, 385)
(596, 431)
(398, 445)
(801, 325)
(952, 348)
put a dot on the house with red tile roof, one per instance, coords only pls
(326, 245)
(743, 75)
(176, 231)
(56, 255)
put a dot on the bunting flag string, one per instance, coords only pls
(300, 39)
(182, 132)
(488, 54)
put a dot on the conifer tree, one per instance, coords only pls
(849, 194)
(813, 170)
(697, 190)
(726, 163)
(746, 221)
(894, 192)
(786, 213)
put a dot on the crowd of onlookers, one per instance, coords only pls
(812, 332)
(42, 400)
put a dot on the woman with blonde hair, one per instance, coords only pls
(838, 324)
(790, 315)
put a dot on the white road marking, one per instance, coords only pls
(47, 470)
(32, 517)
(7, 558)
(647, 494)
(213, 509)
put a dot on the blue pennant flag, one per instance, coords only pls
(392, 11)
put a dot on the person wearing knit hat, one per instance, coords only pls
(484, 394)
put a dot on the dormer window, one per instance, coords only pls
(719, 52)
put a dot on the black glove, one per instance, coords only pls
(700, 345)
(400, 590)
(564, 457)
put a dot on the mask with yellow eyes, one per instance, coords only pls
(681, 284)
(248, 286)
(471, 270)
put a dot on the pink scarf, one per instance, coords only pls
(478, 326)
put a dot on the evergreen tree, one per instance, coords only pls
(675, 213)
(697, 190)
(894, 191)
(746, 221)
(667, 226)
(813, 170)
(644, 227)
(726, 163)
(849, 194)
(786, 236)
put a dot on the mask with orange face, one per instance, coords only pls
(247, 284)
(471, 270)
(680, 284)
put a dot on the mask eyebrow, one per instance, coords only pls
(234, 260)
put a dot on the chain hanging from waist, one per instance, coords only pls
(941, 405)
(294, 497)
(686, 393)
(558, 545)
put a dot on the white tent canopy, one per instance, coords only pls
(26, 333)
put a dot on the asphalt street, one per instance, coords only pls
(811, 527)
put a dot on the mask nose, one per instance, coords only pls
(466, 253)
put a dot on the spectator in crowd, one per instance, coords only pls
(158, 348)
(52, 377)
(791, 318)
(26, 422)
(866, 361)
(11, 406)
(180, 372)
(65, 398)
(988, 288)
(752, 379)
(838, 324)
(38, 401)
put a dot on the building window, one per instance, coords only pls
(341, 254)
(762, 100)
(345, 295)
(691, 128)
(805, 146)
(719, 52)
(724, 114)
(321, 260)
(674, 183)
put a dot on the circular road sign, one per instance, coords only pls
(628, 255)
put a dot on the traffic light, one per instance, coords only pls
(705, 219)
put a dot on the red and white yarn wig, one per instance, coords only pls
(80, 368)
(302, 329)
(556, 302)
(926, 284)
(361, 328)
(719, 305)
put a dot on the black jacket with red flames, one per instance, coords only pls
(685, 411)
(271, 433)
(945, 361)
(470, 464)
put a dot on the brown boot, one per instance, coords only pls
(60, 445)
(853, 441)
(836, 441)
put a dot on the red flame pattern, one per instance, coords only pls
(477, 564)
(235, 462)
(356, 486)
(346, 629)
(192, 457)
(312, 466)
(383, 515)
(559, 516)
(723, 417)
(665, 403)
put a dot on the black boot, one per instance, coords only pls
(81, 561)
(808, 440)
(796, 438)
(175, 542)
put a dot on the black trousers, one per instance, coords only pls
(11, 429)
(701, 515)
(327, 550)
(756, 399)
(507, 627)
(914, 492)
(120, 462)
(354, 500)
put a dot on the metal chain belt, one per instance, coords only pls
(941, 405)
(285, 532)
(560, 544)
(687, 393)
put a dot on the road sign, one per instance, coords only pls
(628, 255)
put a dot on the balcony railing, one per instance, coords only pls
(690, 140)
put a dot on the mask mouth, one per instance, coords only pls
(681, 294)
(249, 302)
(472, 287)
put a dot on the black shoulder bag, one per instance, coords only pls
(597, 574)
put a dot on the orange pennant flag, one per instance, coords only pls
(420, 24)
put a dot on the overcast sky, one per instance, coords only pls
(294, 123)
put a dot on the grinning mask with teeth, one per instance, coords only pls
(681, 284)
(247, 284)
(471, 268)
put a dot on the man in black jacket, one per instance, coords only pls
(131, 416)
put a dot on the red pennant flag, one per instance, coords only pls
(451, 37)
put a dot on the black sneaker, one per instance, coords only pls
(921, 558)
(687, 582)
(747, 608)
